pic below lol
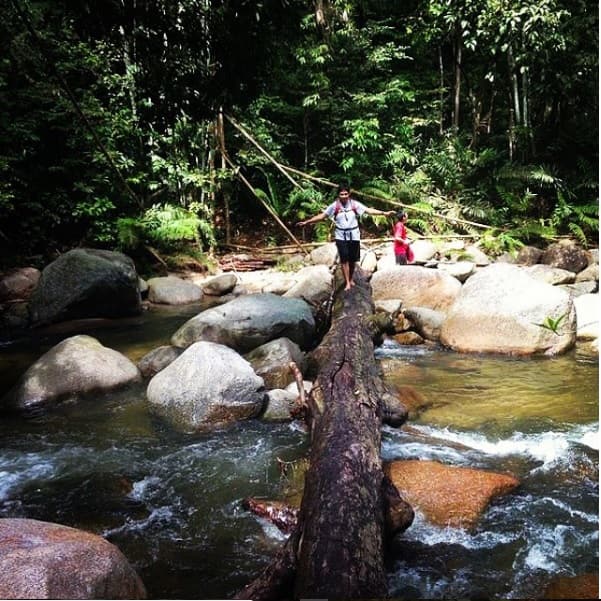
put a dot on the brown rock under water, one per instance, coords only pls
(584, 586)
(412, 399)
(448, 495)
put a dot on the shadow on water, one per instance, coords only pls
(172, 502)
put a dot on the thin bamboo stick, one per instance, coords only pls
(261, 149)
(269, 209)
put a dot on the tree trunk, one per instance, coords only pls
(514, 86)
(441, 92)
(457, 104)
(337, 547)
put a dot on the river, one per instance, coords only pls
(172, 502)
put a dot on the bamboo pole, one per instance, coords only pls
(395, 203)
(261, 149)
(269, 209)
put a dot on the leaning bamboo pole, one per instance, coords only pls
(261, 149)
(269, 209)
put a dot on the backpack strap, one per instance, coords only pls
(338, 208)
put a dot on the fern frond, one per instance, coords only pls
(578, 233)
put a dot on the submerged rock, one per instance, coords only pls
(583, 586)
(448, 495)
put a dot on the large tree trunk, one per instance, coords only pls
(337, 547)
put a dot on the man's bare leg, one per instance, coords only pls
(351, 271)
(347, 275)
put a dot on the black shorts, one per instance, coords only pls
(401, 259)
(348, 250)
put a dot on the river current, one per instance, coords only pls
(172, 502)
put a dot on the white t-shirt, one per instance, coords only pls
(347, 225)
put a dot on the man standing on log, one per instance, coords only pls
(345, 211)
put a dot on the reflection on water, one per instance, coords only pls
(172, 502)
(497, 394)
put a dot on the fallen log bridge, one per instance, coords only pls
(336, 549)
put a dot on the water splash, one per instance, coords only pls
(545, 447)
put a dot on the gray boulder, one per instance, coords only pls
(42, 560)
(458, 269)
(501, 308)
(271, 360)
(279, 405)
(325, 254)
(417, 286)
(250, 321)
(314, 284)
(591, 273)
(207, 385)
(73, 368)
(171, 290)
(86, 282)
(426, 322)
(157, 359)
(220, 284)
(587, 312)
(551, 275)
(528, 255)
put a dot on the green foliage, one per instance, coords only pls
(497, 242)
(365, 90)
(552, 324)
(170, 227)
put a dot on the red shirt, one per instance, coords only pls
(400, 231)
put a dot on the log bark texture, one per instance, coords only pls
(337, 547)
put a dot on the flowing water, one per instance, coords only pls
(172, 502)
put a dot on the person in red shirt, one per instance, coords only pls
(402, 251)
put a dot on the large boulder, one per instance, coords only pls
(565, 255)
(314, 284)
(171, 290)
(500, 310)
(528, 255)
(423, 250)
(73, 368)
(208, 385)
(41, 560)
(86, 282)
(417, 286)
(551, 275)
(445, 494)
(458, 269)
(249, 321)
(326, 254)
